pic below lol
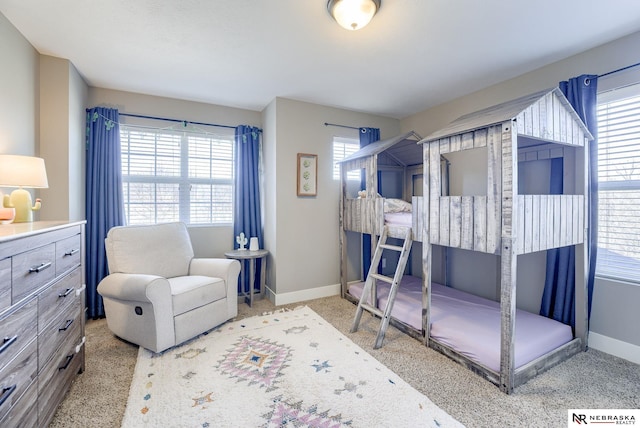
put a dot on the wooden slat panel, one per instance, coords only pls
(480, 223)
(455, 221)
(548, 122)
(535, 218)
(456, 143)
(467, 141)
(528, 226)
(556, 221)
(535, 130)
(528, 121)
(466, 208)
(445, 145)
(564, 213)
(494, 189)
(418, 217)
(544, 206)
(444, 222)
(521, 228)
(509, 180)
(434, 188)
(520, 120)
(480, 138)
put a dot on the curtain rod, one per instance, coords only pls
(620, 69)
(340, 126)
(184, 122)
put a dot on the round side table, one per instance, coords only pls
(251, 256)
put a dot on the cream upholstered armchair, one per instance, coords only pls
(157, 294)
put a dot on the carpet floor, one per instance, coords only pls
(590, 380)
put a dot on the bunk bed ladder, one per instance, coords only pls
(372, 276)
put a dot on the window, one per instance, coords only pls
(343, 147)
(176, 176)
(619, 184)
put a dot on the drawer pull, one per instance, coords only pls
(66, 326)
(40, 268)
(72, 252)
(6, 393)
(8, 341)
(66, 364)
(66, 292)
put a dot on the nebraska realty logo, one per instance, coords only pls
(580, 417)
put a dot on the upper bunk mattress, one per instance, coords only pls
(470, 324)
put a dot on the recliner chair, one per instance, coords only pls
(157, 295)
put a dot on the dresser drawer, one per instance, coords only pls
(25, 412)
(55, 298)
(64, 331)
(17, 329)
(5, 283)
(68, 253)
(16, 377)
(31, 270)
(55, 379)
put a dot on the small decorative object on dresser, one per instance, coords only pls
(41, 318)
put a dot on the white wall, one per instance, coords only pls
(615, 319)
(305, 229)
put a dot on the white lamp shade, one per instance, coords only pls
(353, 14)
(22, 171)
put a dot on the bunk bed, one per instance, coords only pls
(514, 345)
(364, 210)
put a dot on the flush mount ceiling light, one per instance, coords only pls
(353, 14)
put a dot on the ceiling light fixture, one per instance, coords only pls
(353, 14)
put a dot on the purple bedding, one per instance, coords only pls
(470, 324)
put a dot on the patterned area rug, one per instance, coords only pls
(288, 369)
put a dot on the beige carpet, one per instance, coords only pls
(588, 380)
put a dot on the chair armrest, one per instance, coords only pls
(134, 287)
(216, 268)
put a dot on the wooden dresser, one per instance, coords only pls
(41, 318)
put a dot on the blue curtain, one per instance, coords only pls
(104, 204)
(247, 212)
(558, 299)
(367, 136)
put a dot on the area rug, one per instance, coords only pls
(287, 369)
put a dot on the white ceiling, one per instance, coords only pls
(243, 53)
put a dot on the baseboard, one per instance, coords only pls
(615, 347)
(302, 295)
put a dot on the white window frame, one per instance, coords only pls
(220, 173)
(618, 248)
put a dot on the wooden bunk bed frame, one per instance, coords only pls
(366, 215)
(502, 222)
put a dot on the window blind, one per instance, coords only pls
(176, 176)
(619, 185)
(343, 147)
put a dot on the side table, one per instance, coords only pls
(251, 256)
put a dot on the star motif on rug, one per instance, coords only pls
(321, 366)
(256, 361)
(199, 401)
(295, 414)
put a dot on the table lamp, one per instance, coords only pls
(22, 172)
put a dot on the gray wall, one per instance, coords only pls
(302, 232)
(19, 88)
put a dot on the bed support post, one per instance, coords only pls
(426, 245)
(342, 233)
(509, 258)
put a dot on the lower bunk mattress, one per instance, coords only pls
(469, 324)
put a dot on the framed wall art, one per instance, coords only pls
(307, 182)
